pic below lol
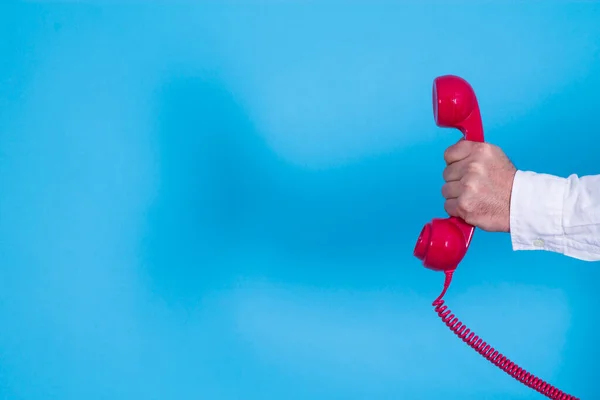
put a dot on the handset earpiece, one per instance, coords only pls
(443, 243)
(455, 106)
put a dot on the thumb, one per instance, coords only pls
(458, 151)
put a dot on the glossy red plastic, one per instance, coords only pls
(443, 243)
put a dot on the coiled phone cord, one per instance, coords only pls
(491, 354)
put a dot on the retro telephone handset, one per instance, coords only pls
(443, 243)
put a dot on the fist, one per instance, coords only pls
(479, 178)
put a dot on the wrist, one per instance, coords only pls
(510, 184)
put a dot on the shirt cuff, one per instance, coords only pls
(536, 212)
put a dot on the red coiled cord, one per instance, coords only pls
(492, 354)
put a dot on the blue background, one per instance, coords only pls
(221, 201)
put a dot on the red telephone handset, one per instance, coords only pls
(443, 243)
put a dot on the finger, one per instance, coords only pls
(451, 190)
(451, 207)
(458, 151)
(455, 171)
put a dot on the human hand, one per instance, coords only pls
(479, 178)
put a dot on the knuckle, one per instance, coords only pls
(480, 147)
(484, 150)
(469, 219)
(464, 205)
(471, 189)
(475, 168)
(471, 182)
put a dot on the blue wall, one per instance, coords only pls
(220, 202)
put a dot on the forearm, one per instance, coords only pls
(556, 214)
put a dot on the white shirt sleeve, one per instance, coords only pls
(556, 214)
